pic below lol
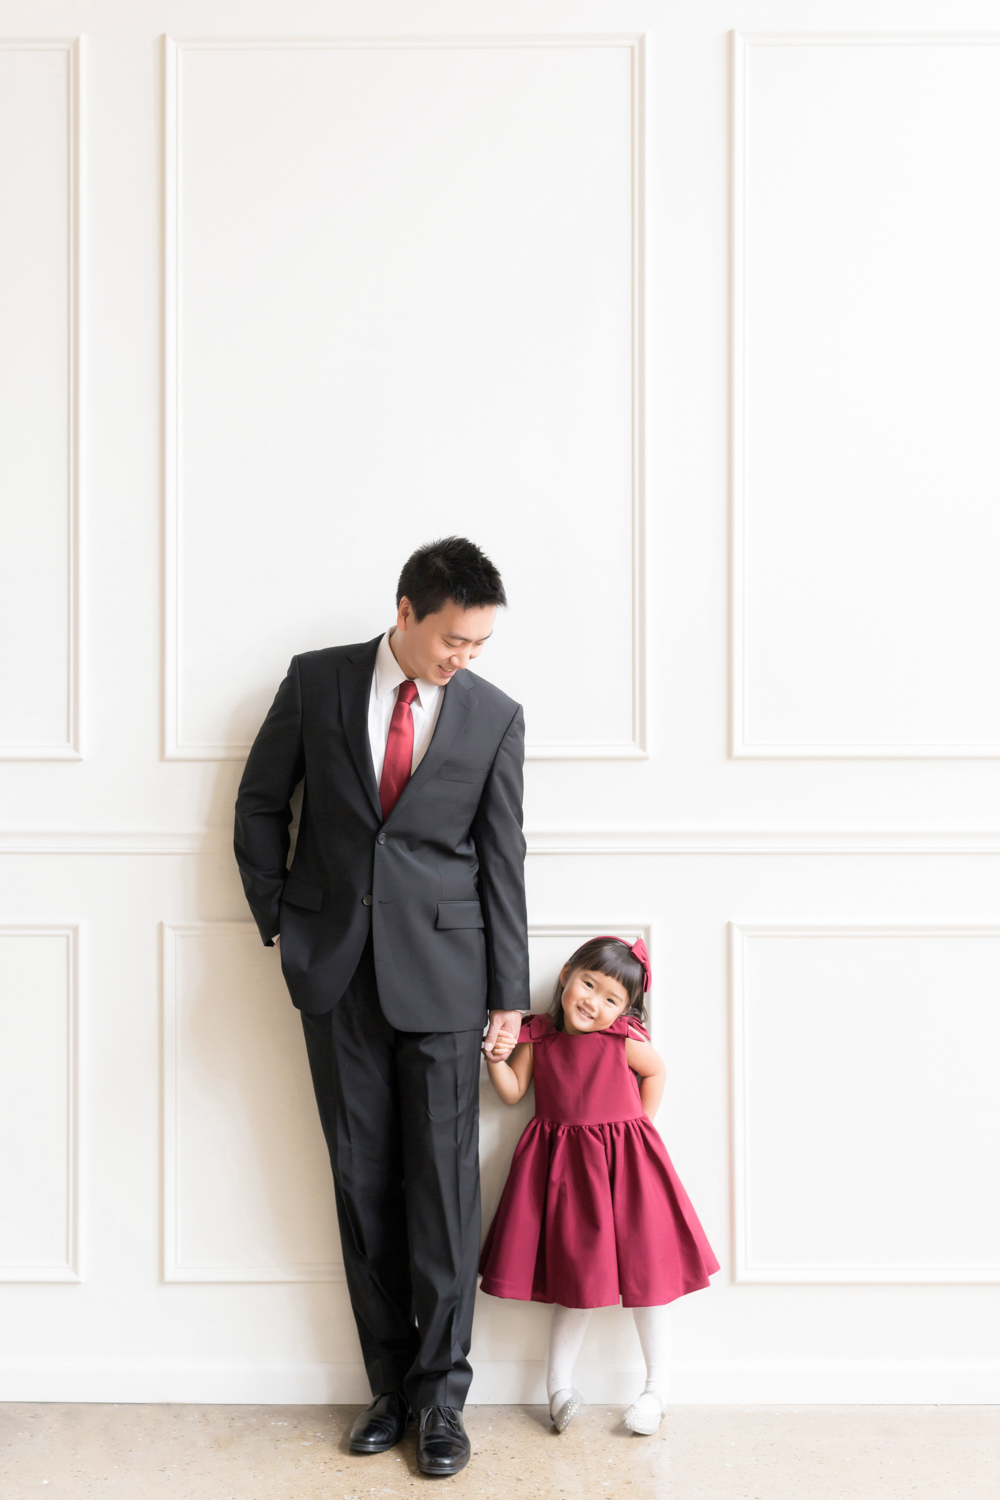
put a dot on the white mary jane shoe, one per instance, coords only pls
(567, 1411)
(644, 1416)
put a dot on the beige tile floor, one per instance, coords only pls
(700, 1453)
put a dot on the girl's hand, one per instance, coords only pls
(509, 1079)
(503, 1045)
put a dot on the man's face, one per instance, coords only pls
(435, 647)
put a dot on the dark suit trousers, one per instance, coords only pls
(400, 1111)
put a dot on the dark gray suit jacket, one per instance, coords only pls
(439, 884)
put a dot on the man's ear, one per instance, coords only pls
(404, 613)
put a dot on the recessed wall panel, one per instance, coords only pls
(247, 1182)
(866, 1112)
(403, 301)
(37, 400)
(248, 1190)
(866, 382)
(37, 1104)
(501, 1125)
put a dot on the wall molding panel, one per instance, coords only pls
(217, 842)
(575, 933)
(39, 1020)
(37, 507)
(835, 1271)
(181, 1009)
(744, 744)
(178, 744)
(181, 1083)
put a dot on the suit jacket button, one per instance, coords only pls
(381, 838)
(366, 901)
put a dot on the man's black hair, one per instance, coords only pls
(450, 569)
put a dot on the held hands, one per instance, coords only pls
(509, 1075)
(503, 1045)
(502, 1033)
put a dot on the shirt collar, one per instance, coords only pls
(389, 674)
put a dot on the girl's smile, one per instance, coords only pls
(591, 1001)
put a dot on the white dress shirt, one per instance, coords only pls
(425, 707)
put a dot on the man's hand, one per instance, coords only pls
(500, 1020)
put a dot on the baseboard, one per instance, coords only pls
(521, 1382)
(835, 1382)
(501, 1382)
(208, 1383)
(515, 1382)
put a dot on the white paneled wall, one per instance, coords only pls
(689, 316)
(865, 378)
(449, 236)
(38, 392)
(237, 1109)
(38, 1104)
(862, 1071)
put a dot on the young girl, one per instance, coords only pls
(593, 1210)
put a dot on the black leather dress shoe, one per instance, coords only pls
(381, 1425)
(442, 1445)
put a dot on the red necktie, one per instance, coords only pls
(398, 749)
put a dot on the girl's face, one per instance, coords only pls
(590, 1001)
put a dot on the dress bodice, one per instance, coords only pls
(583, 1080)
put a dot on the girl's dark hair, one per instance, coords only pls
(616, 960)
(450, 569)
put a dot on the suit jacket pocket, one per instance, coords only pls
(301, 893)
(460, 914)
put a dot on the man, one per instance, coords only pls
(401, 920)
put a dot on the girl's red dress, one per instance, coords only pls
(593, 1211)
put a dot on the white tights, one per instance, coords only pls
(569, 1324)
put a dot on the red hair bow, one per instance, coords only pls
(638, 951)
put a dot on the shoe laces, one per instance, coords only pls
(442, 1417)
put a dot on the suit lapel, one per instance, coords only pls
(355, 681)
(458, 703)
